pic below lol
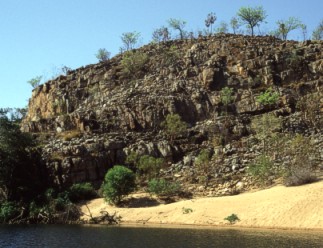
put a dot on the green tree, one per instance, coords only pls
(130, 39)
(35, 82)
(160, 34)
(18, 168)
(202, 162)
(174, 125)
(223, 27)
(318, 32)
(252, 16)
(178, 25)
(234, 23)
(102, 55)
(149, 165)
(226, 97)
(286, 26)
(118, 183)
(210, 20)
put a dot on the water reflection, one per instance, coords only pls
(103, 236)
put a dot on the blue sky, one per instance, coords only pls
(39, 36)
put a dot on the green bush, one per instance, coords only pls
(269, 97)
(81, 191)
(261, 169)
(8, 210)
(118, 183)
(233, 218)
(133, 62)
(161, 187)
(174, 125)
(150, 166)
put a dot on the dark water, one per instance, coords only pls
(104, 236)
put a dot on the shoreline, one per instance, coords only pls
(276, 208)
(212, 227)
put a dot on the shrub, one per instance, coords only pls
(150, 165)
(133, 62)
(261, 169)
(174, 125)
(265, 127)
(269, 97)
(170, 56)
(161, 187)
(8, 210)
(69, 135)
(300, 161)
(118, 183)
(187, 210)
(233, 218)
(81, 191)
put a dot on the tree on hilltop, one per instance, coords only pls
(178, 25)
(286, 26)
(252, 16)
(130, 39)
(210, 20)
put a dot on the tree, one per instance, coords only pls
(286, 26)
(210, 20)
(318, 32)
(18, 168)
(223, 28)
(160, 34)
(118, 183)
(35, 82)
(304, 31)
(149, 165)
(178, 25)
(130, 39)
(174, 125)
(202, 162)
(252, 16)
(226, 97)
(234, 23)
(102, 55)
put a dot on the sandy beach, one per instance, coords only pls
(278, 207)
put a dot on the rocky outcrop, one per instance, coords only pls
(112, 113)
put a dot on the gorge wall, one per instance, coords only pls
(93, 117)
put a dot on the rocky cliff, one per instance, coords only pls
(91, 118)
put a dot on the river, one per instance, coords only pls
(53, 236)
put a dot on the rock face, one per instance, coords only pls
(91, 118)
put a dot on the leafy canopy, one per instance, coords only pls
(102, 55)
(252, 16)
(118, 183)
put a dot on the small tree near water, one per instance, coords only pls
(118, 183)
